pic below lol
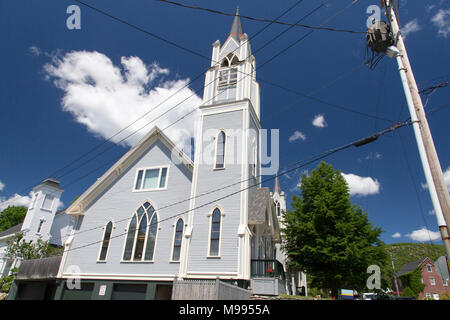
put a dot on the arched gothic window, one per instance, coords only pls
(178, 237)
(214, 243)
(106, 239)
(141, 235)
(228, 70)
(278, 208)
(220, 150)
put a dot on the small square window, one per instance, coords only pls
(48, 202)
(227, 77)
(432, 281)
(151, 179)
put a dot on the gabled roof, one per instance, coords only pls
(110, 176)
(409, 267)
(441, 267)
(11, 231)
(262, 211)
(50, 182)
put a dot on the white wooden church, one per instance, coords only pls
(157, 217)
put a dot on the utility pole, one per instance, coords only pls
(395, 278)
(430, 161)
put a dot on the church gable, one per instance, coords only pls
(154, 140)
(230, 46)
(156, 179)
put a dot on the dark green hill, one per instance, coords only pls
(409, 252)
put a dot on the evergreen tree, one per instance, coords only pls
(328, 236)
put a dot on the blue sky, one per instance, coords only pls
(49, 118)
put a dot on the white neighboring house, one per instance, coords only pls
(41, 221)
(297, 281)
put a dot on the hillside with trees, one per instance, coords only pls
(409, 252)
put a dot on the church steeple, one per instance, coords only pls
(276, 187)
(232, 74)
(236, 27)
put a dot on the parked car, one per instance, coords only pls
(403, 298)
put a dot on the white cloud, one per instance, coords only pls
(446, 174)
(397, 235)
(299, 181)
(60, 205)
(361, 186)
(15, 200)
(442, 21)
(447, 178)
(410, 27)
(424, 235)
(319, 121)
(296, 136)
(373, 156)
(429, 7)
(35, 50)
(106, 98)
(2, 186)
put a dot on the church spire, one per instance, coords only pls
(236, 28)
(276, 187)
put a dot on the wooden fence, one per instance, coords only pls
(207, 290)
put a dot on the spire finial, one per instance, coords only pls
(236, 28)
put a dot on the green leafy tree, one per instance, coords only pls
(328, 236)
(412, 283)
(19, 249)
(74, 199)
(11, 216)
(6, 282)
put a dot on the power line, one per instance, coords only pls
(138, 28)
(246, 75)
(178, 104)
(201, 74)
(185, 86)
(260, 19)
(170, 42)
(304, 162)
(190, 82)
(436, 109)
(334, 105)
(430, 90)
